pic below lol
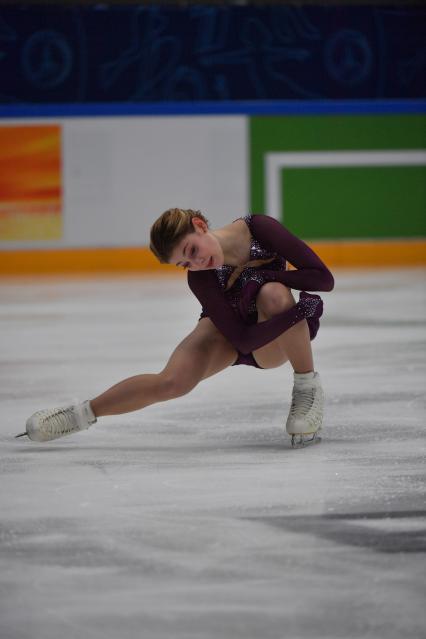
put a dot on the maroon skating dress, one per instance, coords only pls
(234, 312)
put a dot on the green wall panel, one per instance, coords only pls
(370, 202)
(398, 193)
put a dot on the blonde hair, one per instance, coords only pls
(170, 228)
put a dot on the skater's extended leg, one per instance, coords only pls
(201, 354)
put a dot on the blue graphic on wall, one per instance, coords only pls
(152, 54)
(46, 59)
(348, 57)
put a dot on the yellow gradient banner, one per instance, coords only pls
(30, 182)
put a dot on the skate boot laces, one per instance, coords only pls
(57, 422)
(302, 401)
(52, 423)
(306, 412)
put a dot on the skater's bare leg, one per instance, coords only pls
(306, 412)
(201, 354)
(293, 345)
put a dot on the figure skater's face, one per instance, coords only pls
(198, 251)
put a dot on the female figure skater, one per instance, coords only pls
(249, 316)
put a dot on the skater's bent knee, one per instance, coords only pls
(273, 298)
(172, 386)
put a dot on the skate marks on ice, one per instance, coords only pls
(196, 519)
(389, 532)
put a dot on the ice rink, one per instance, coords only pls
(195, 519)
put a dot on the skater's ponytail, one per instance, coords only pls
(170, 228)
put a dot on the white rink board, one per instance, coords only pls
(120, 174)
(194, 519)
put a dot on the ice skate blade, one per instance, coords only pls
(302, 441)
(21, 435)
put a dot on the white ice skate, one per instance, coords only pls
(307, 408)
(53, 423)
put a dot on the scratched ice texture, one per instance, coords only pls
(194, 519)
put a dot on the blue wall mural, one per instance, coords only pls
(149, 54)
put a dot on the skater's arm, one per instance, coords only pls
(311, 274)
(246, 338)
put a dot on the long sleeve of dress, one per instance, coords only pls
(244, 337)
(311, 274)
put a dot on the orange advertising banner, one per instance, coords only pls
(30, 182)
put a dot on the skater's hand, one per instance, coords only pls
(311, 305)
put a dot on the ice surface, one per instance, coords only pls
(194, 519)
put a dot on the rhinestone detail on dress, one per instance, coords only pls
(257, 252)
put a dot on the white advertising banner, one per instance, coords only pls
(119, 174)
